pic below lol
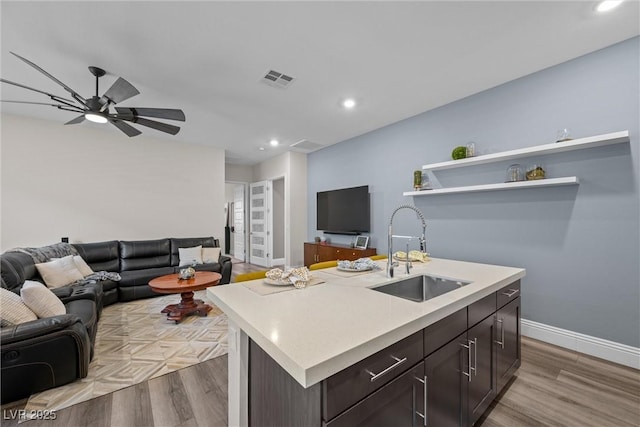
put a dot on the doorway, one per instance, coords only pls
(255, 228)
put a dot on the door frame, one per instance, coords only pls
(245, 258)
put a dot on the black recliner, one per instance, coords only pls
(51, 351)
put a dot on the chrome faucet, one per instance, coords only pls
(423, 248)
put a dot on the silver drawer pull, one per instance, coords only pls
(510, 294)
(501, 343)
(423, 416)
(378, 375)
(468, 347)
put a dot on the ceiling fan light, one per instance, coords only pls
(95, 117)
(607, 5)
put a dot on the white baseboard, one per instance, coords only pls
(604, 349)
(277, 261)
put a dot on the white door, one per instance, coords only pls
(259, 220)
(238, 223)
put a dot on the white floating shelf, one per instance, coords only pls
(551, 182)
(556, 147)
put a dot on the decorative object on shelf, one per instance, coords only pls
(535, 171)
(187, 273)
(362, 242)
(426, 185)
(471, 149)
(515, 173)
(459, 153)
(563, 135)
(417, 180)
(316, 239)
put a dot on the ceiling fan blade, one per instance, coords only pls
(36, 90)
(128, 129)
(161, 113)
(61, 106)
(163, 127)
(78, 119)
(119, 91)
(75, 94)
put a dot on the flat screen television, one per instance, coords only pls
(343, 211)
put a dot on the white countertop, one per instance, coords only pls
(316, 332)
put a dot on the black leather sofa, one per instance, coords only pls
(142, 260)
(54, 351)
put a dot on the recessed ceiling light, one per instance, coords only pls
(607, 5)
(274, 142)
(349, 103)
(261, 148)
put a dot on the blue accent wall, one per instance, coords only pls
(579, 244)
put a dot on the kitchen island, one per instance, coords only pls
(315, 333)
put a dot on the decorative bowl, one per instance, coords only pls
(187, 273)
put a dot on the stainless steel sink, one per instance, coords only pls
(421, 288)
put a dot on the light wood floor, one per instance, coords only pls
(553, 387)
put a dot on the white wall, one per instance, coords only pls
(238, 173)
(92, 184)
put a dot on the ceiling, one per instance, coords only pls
(397, 59)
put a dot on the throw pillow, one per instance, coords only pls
(60, 272)
(190, 256)
(14, 311)
(210, 255)
(82, 266)
(41, 300)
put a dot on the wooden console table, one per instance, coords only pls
(320, 252)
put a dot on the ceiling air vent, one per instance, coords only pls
(305, 146)
(277, 79)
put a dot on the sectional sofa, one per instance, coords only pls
(49, 352)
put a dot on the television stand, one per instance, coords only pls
(320, 252)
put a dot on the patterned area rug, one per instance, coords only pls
(135, 342)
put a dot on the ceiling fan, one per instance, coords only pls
(98, 108)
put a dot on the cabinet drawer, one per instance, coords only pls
(508, 293)
(350, 385)
(399, 403)
(481, 309)
(444, 330)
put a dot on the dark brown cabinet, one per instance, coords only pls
(398, 403)
(482, 379)
(444, 375)
(507, 342)
(447, 386)
(320, 252)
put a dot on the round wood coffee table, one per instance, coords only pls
(172, 284)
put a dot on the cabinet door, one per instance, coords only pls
(482, 387)
(446, 372)
(326, 253)
(507, 342)
(399, 403)
(310, 254)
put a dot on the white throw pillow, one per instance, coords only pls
(190, 256)
(14, 310)
(60, 272)
(210, 255)
(82, 266)
(41, 300)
